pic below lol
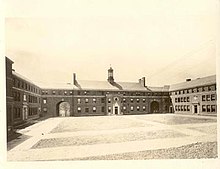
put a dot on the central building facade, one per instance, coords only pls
(90, 98)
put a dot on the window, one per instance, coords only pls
(109, 100)
(203, 108)
(65, 92)
(213, 97)
(94, 109)
(87, 100)
(79, 109)
(124, 108)
(25, 97)
(94, 100)
(132, 108)
(85, 92)
(188, 108)
(45, 101)
(138, 100)
(184, 99)
(103, 100)
(103, 109)
(187, 99)
(71, 92)
(203, 97)
(176, 108)
(213, 108)
(208, 108)
(208, 97)
(109, 109)
(78, 92)
(176, 100)
(144, 100)
(181, 99)
(132, 100)
(78, 101)
(144, 108)
(86, 109)
(54, 92)
(138, 108)
(184, 107)
(124, 100)
(45, 109)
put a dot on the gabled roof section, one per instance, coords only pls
(22, 77)
(132, 86)
(94, 85)
(209, 80)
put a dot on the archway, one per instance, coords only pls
(154, 107)
(63, 109)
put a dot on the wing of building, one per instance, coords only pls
(27, 100)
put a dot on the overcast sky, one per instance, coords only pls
(165, 41)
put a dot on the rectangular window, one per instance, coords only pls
(138, 100)
(103, 109)
(78, 101)
(203, 108)
(132, 100)
(184, 107)
(94, 100)
(184, 99)
(181, 99)
(109, 109)
(138, 108)
(213, 97)
(87, 100)
(176, 100)
(176, 108)
(79, 109)
(144, 108)
(124, 100)
(132, 108)
(124, 107)
(109, 100)
(45, 101)
(208, 97)
(87, 110)
(54, 92)
(144, 100)
(103, 100)
(188, 108)
(94, 109)
(208, 108)
(25, 97)
(203, 97)
(213, 108)
(45, 109)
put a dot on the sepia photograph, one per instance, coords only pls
(114, 81)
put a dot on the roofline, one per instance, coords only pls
(9, 59)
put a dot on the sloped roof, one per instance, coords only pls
(22, 77)
(209, 80)
(95, 85)
(132, 86)
(159, 89)
(66, 86)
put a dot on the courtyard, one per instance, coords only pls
(138, 137)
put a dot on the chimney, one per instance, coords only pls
(142, 81)
(188, 80)
(74, 78)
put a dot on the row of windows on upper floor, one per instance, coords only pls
(94, 100)
(60, 92)
(26, 86)
(195, 90)
(124, 108)
(208, 97)
(205, 108)
(26, 98)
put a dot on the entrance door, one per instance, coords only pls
(116, 110)
(25, 113)
(195, 109)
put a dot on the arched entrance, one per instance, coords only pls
(154, 107)
(63, 109)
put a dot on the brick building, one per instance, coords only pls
(27, 100)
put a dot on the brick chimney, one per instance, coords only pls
(142, 81)
(74, 78)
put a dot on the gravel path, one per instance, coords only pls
(191, 151)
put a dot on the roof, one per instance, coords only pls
(209, 80)
(22, 77)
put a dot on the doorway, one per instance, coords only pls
(116, 110)
(63, 109)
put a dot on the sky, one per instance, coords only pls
(165, 41)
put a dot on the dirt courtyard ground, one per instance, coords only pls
(153, 136)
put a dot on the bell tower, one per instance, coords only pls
(110, 75)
